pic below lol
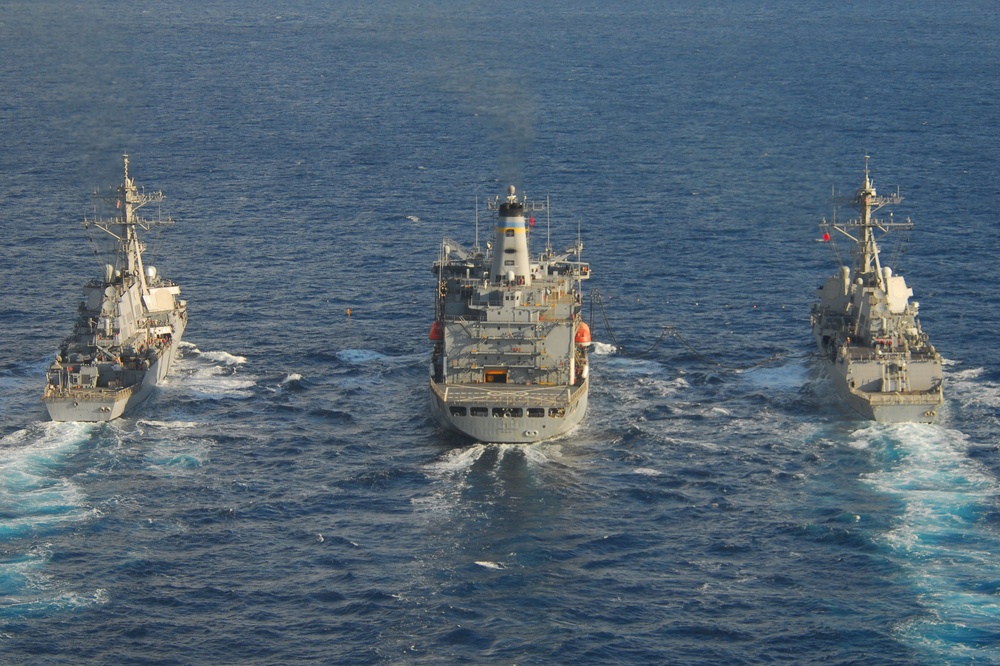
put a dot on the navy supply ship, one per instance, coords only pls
(129, 325)
(510, 347)
(867, 329)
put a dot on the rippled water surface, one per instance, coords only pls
(284, 497)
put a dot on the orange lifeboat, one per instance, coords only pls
(437, 332)
(583, 335)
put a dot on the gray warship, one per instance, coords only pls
(129, 323)
(867, 329)
(509, 360)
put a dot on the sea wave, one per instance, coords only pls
(222, 357)
(360, 356)
(943, 536)
(37, 500)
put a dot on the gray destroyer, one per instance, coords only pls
(867, 329)
(128, 327)
(509, 360)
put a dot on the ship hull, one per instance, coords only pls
(129, 323)
(508, 413)
(100, 404)
(868, 331)
(95, 405)
(509, 359)
(859, 383)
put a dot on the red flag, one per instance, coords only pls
(531, 220)
(826, 236)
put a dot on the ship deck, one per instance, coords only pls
(858, 353)
(504, 394)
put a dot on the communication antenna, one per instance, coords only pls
(476, 246)
(548, 227)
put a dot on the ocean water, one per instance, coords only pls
(284, 497)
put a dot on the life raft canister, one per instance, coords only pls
(437, 332)
(583, 335)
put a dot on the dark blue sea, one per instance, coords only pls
(285, 498)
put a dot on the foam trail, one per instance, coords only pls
(35, 501)
(31, 497)
(487, 564)
(168, 424)
(540, 454)
(458, 461)
(942, 538)
(781, 378)
(179, 456)
(222, 357)
(291, 378)
(603, 349)
(466, 467)
(213, 375)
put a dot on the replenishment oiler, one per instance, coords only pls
(129, 325)
(509, 361)
(867, 329)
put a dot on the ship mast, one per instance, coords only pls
(127, 200)
(866, 252)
